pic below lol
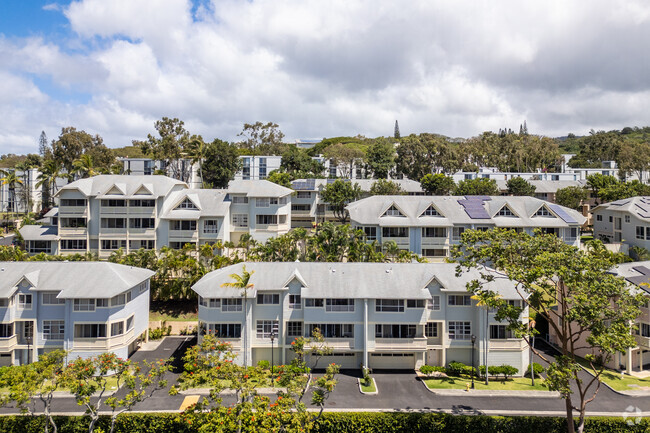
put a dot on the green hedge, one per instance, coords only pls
(343, 422)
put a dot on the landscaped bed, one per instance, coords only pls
(616, 380)
(511, 384)
(368, 387)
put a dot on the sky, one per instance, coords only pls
(320, 68)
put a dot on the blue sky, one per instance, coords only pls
(320, 69)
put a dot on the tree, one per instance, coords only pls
(437, 184)
(478, 186)
(43, 148)
(242, 283)
(280, 178)
(221, 163)
(520, 186)
(84, 166)
(196, 152)
(71, 144)
(11, 179)
(386, 187)
(170, 146)
(587, 308)
(338, 194)
(412, 158)
(298, 163)
(621, 190)
(262, 137)
(380, 158)
(571, 197)
(49, 173)
(634, 157)
(396, 134)
(344, 157)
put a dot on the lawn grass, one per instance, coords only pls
(368, 387)
(174, 311)
(512, 384)
(616, 380)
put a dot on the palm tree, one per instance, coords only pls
(85, 166)
(196, 153)
(11, 179)
(482, 303)
(242, 282)
(50, 171)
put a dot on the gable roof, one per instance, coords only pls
(102, 185)
(638, 206)
(72, 279)
(258, 188)
(210, 203)
(636, 273)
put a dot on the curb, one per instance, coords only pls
(375, 392)
(206, 391)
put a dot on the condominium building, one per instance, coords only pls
(23, 196)
(431, 225)
(626, 221)
(85, 308)
(381, 315)
(104, 213)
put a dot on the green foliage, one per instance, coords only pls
(430, 369)
(72, 144)
(380, 157)
(220, 164)
(299, 164)
(571, 197)
(477, 186)
(338, 194)
(344, 156)
(158, 333)
(537, 370)
(456, 368)
(520, 186)
(262, 138)
(283, 179)
(437, 184)
(386, 187)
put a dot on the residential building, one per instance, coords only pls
(181, 169)
(431, 225)
(308, 208)
(545, 189)
(381, 315)
(21, 197)
(85, 308)
(257, 167)
(626, 221)
(105, 213)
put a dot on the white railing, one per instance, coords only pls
(7, 343)
(73, 231)
(401, 343)
(514, 343)
(642, 341)
(71, 210)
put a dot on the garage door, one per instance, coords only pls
(398, 361)
(344, 360)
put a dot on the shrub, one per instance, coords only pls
(508, 371)
(264, 364)
(456, 368)
(537, 369)
(493, 370)
(158, 333)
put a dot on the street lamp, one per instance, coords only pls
(29, 350)
(473, 367)
(272, 360)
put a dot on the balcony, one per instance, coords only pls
(184, 234)
(434, 341)
(642, 341)
(112, 210)
(340, 343)
(73, 231)
(8, 343)
(76, 211)
(434, 242)
(104, 343)
(144, 212)
(509, 344)
(150, 232)
(112, 231)
(403, 242)
(418, 343)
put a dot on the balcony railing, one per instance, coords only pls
(111, 210)
(73, 231)
(401, 343)
(183, 234)
(8, 343)
(401, 241)
(143, 232)
(434, 241)
(103, 343)
(642, 341)
(72, 210)
(509, 344)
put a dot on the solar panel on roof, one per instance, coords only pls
(562, 214)
(474, 208)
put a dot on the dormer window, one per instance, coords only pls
(430, 211)
(543, 212)
(506, 212)
(186, 204)
(394, 212)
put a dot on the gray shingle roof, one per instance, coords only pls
(637, 273)
(546, 186)
(408, 185)
(347, 280)
(258, 188)
(38, 233)
(370, 211)
(638, 206)
(127, 185)
(73, 279)
(210, 203)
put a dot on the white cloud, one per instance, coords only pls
(330, 68)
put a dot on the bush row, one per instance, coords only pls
(460, 369)
(367, 422)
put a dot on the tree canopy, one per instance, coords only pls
(477, 186)
(221, 163)
(385, 187)
(338, 194)
(437, 184)
(520, 186)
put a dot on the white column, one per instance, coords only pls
(365, 333)
(640, 359)
(628, 362)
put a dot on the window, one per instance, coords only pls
(142, 223)
(175, 245)
(90, 330)
(434, 232)
(514, 303)
(211, 302)
(505, 211)
(644, 328)
(282, 219)
(267, 327)
(268, 299)
(129, 323)
(24, 301)
(395, 232)
(315, 303)
(599, 217)
(117, 328)
(113, 223)
(572, 233)
(4, 302)
(113, 244)
(84, 305)
(301, 207)
(415, 303)
(231, 305)
(142, 203)
(393, 211)
(262, 202)
(331, 330)
(434, 252)
(240, 220)
(457, 233)
(102, 303)
(49, 298)
(294, 329)
(430, 211)
(611, 219)
(543, 212)
(210, 226)
(73, 222)
(434, 304)
(238, 199)
(303, 194)
(460, 330)
(73, 244)
(640, 232)
(389, 305)
(6, 330)
(186, 204)
(183, 225)
(78, 202)
(294, 302)
(370, 232)
(142, 287)
(113, 203)
(627, 218)
(459, 300)
(394, 331)
(53, 329)
(121, 299)
(266, 219)
(339, 305)
(431, 330)
(225, 330)
(145, 244)
(499, 332)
